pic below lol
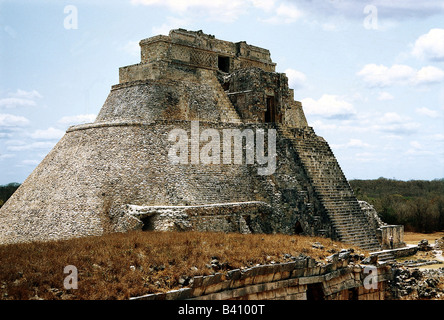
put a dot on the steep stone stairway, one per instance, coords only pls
(333, 189)
(228, 112)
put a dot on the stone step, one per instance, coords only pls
(331, 187)
(356, 234)
(343, 222)
(350, 227)
(228, 110)
(362, 242)
(360, 237)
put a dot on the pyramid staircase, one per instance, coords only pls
(333, 190)
(228, 112)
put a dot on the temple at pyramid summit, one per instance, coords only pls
(159, 156)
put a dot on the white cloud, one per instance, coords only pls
(417, 149)
(392, 117)
(416, 144)
(394, 123)
(428, 112)
(265, 5)
(382, 76)
(286, 13)
(389, 125)
(383, 96)
(320, 125)
(172, 23)
(438, 137)
(329, 106)
(296, 79)
(401, 128)
(10, 120)
(429, 75)
(416, 152)
(48, 134)
(6, 156)
(356, 143)
(219, 10)
(368, 157)
(31, 146)
(20, 98)
(77, 119)
(329, 26)
(352, 143)
(16, 102)
(30, 162)
(33, 94)
(394, 9)
(430, 45)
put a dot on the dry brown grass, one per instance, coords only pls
(414, 237)
(118, 266)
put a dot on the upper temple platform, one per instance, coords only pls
(195, 49)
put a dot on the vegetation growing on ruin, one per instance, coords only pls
(118, 266)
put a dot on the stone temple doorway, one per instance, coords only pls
(298, 228)
(223, 64)
(315, 292)
(270, 113)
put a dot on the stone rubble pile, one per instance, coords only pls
(439, 244)
(418, 263)
(418, 284)
(424, 245)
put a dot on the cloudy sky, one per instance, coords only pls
(370, 74)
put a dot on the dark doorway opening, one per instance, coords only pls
(223, 63)
(298, 228)
(147, 223)
(353, 294)
(247, 219)
(226, 86)
(315, 292)
(270, 113)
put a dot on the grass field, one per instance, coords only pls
(118, 266)
(414, 238)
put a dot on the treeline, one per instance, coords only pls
(416, 204)
(6, 191)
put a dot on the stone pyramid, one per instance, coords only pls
(116, 174)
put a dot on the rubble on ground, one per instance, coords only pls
(418, 284)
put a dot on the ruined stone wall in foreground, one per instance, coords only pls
(304, 279)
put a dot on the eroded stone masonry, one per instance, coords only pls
(114, 174)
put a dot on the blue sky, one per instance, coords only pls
(370, 74)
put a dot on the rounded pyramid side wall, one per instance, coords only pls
(192, 95)
(99, 166)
